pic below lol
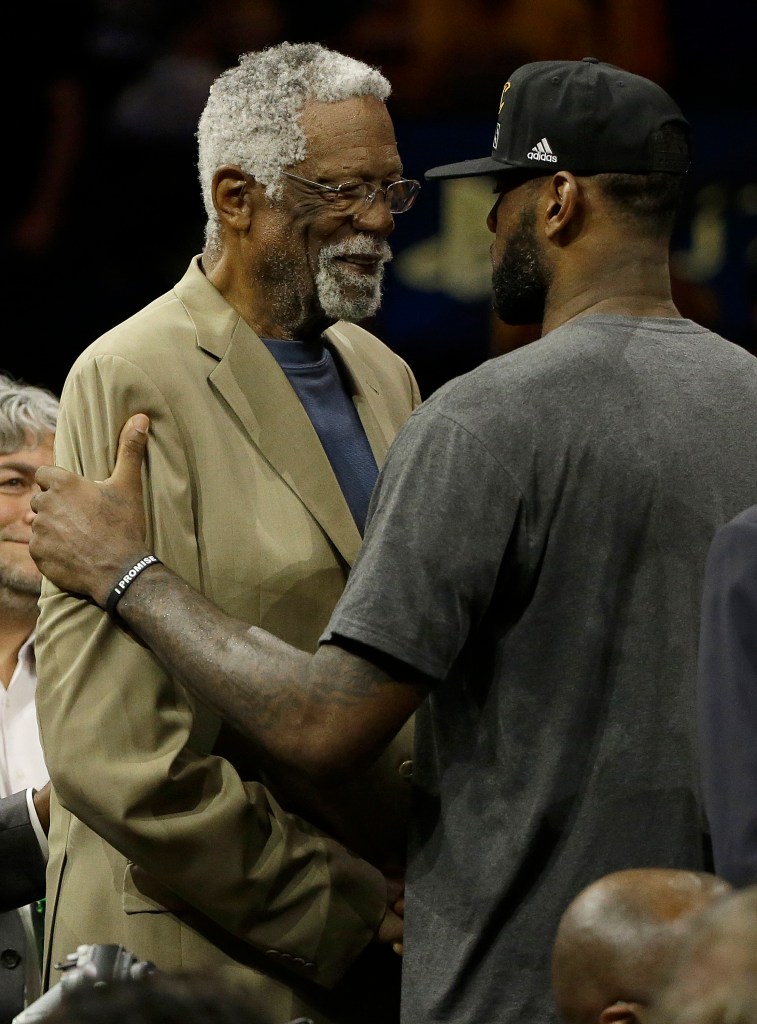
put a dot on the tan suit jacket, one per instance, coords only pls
(243, 503)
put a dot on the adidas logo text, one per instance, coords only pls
(542, 151)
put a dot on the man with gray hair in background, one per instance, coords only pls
(271, 413)
(27, 427)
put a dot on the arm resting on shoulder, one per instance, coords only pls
(145, 778)
(318, 715)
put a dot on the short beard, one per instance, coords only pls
(19, 581)
(520, 279)
(344, 294)
(19, 591)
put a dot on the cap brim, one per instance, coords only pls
(469, 169)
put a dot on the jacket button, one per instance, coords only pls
(10, 958)
(405, 770)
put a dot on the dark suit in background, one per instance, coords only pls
(22, 881)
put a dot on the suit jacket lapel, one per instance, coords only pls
(250, 380)
(366, 394)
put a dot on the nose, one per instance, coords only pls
(491, 219)
(374, 216)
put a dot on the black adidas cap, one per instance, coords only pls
(581, 116)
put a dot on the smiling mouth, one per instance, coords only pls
(363, 263)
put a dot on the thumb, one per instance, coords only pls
(132, 445)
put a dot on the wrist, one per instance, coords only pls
(110, 598)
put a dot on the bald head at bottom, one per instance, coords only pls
(618, 940)
(715, 977)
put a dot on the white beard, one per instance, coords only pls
(342, 292)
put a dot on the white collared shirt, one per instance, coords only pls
(22, 766)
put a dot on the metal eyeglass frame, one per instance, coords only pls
(369, 196)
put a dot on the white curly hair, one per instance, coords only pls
(252, 116)
(27, 414)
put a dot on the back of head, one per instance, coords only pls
(27, 414)
(252, 116)
(715, 978)
(617, 940)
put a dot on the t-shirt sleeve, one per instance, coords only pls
(442, 516)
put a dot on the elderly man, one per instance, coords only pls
(532, 563)
(271, 413)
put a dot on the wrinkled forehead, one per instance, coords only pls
(361, 123)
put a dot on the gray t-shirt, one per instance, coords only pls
(536, 544)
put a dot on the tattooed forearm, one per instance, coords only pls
(321, 714)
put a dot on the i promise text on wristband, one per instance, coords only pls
(126, 581)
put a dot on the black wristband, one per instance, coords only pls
(127, 579)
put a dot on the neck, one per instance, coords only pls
(617, 305)
(637, 285)
(18, 616)
(271, 310)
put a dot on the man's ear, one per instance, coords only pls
(621, 1012)
(231, 197)
(564, 204)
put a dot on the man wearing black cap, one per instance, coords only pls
(532, 565)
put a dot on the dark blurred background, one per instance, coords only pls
(103, 204)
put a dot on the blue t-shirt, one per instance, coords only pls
(313, 373)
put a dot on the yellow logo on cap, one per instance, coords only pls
(502, 97)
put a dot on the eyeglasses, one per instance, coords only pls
(353, 196)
